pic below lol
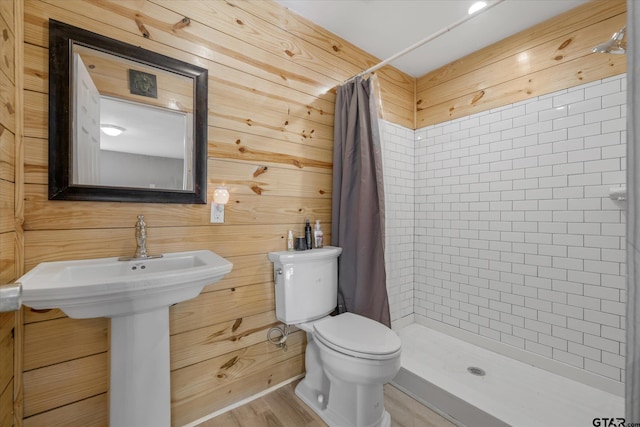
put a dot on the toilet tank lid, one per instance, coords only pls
(285, 257)
(358, 334)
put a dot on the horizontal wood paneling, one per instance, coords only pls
(237, 145)
(247, 270)
(7, 195)
(270, 141)
(7, 47)
(562, 76)
(554, 28)
(567, 48)
(397, 88)
(7, 257)
(236, 22)
(553, 55)
(35, 161)
(6, 404)
(7, 154)
(211, 308)
(248, 179)
(8, 44)
(272, 79)
(273, 125)
(7, 101)
(32, 315)
(48, 343)
(6, 361)
(111, 77)
(36, 109)
(266, 53)
(268, 95)
(192, 346)
(233, 240)
(42, 214)
(88, 412)
(57, 385)
(36, 68)
(203, 388)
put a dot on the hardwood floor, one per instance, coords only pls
(282, 408)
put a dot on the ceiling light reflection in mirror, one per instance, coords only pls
(131, 128)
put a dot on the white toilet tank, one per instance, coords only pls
(306, 283)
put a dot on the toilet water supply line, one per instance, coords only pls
(281, 339)
(424, 41)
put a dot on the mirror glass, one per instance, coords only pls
(126, 124)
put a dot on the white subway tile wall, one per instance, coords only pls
(514, 235)
(398, 164)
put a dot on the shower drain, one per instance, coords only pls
(474, 370)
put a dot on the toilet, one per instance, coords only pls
(348, 357)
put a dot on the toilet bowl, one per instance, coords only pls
(348, 357)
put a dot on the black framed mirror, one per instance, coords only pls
(125, 124)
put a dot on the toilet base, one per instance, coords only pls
(318, 404)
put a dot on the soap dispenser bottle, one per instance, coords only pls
(290, 245)
(307, 235)
(318, 235)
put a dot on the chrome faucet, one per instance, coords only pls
(141, 243)
(141, 238)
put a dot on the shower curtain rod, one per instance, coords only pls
(423, 41)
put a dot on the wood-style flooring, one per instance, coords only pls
(282, 408)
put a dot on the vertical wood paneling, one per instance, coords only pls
(10, 233)
(270, 125)
(7, 321)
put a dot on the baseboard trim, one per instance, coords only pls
(242, 402)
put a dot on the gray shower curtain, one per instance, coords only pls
(632, 380)
(358, 202)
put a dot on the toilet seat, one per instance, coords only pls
(357, 336)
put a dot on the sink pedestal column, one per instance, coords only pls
(140, 393)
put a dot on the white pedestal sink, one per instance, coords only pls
(136, 295)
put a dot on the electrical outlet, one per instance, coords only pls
(217, 213)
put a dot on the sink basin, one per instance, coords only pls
(106, 287)
(136, 295)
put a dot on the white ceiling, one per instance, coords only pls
(385, 27)
(149, 131)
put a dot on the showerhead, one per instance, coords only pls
(615, 45)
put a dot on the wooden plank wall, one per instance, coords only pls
(548, 57)
(10, 210)
(111, 77)
(271, 97)
(271, 102)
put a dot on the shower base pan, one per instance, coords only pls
(435, 371)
